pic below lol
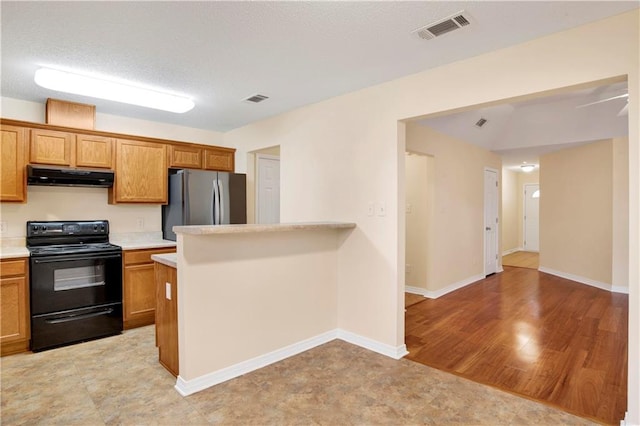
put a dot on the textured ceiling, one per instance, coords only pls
(296, 53)
(299, 53)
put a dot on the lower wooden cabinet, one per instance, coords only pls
(139, 291)
(14, 312)
(167, 317)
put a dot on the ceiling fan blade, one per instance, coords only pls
(624, 110)
(626, 95)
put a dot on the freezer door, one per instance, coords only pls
(175, 212)
(233, 198)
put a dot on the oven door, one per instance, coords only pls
(64, 282)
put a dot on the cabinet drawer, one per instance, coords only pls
(133, 257)
(12, 268)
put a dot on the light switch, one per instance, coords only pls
(382, 209)
(167, 290)
(371, 209)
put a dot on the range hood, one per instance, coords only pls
(61, 176)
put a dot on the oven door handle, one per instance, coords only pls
(78, 317)
(93, 256)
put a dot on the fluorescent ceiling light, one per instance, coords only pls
(528, 167)
(104, 89)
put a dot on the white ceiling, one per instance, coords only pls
(296, 53)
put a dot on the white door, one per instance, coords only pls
(490, 221)
(268, 189)
(531, 217)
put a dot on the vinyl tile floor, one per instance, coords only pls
(118, 380)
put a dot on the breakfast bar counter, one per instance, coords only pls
(250, 295)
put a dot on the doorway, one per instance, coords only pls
(267, 189)
(490, 221)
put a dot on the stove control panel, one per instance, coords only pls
(67, 228)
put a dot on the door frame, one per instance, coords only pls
(524, 215)
(260, 157)
(484, 222)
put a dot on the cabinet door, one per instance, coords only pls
(139, 295)
(185, 156)
(14, 307)
(51, 147)
(167, 317)
(141, 173)
(218, 159)
(13, 151)
(94, 151)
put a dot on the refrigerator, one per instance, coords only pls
(201, 197)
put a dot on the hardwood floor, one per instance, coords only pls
(533, 334)
(522, 259)
(412, 299)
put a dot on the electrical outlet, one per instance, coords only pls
(140, 224)
(4, 227)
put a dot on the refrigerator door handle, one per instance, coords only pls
(186, 202)
(221, 204)
(214, 202)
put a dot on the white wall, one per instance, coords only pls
(457, 232)
(344, 153)
(419, 215)
(509, 222)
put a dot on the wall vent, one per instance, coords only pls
(443, 26)
(256, 98)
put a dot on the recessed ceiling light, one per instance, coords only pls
(84, 85)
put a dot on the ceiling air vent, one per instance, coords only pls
(256, 98)
(481, 122)
(443, 26)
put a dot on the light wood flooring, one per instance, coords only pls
(522, 259)
(533, 334)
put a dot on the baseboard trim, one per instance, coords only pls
(584, 280)
(452, 287)
(189, 387)
(506, 252)
(415, 290)
(396, 352)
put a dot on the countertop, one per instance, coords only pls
(140, 240)
(260, 228)
(11, 248)
(168, 259)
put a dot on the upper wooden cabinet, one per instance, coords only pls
(12, 168)
(185, 156)
(94, 151)
(51, 147)
(219, 159)
(141, 173)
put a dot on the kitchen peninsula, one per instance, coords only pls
(250, 295)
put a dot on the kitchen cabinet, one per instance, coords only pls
(139, 291)
(14, 299)
(141, 173)
(219, 159)
(51, 147)
(94, 151)
(186, 156)
(13, 184)
(166, 279)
